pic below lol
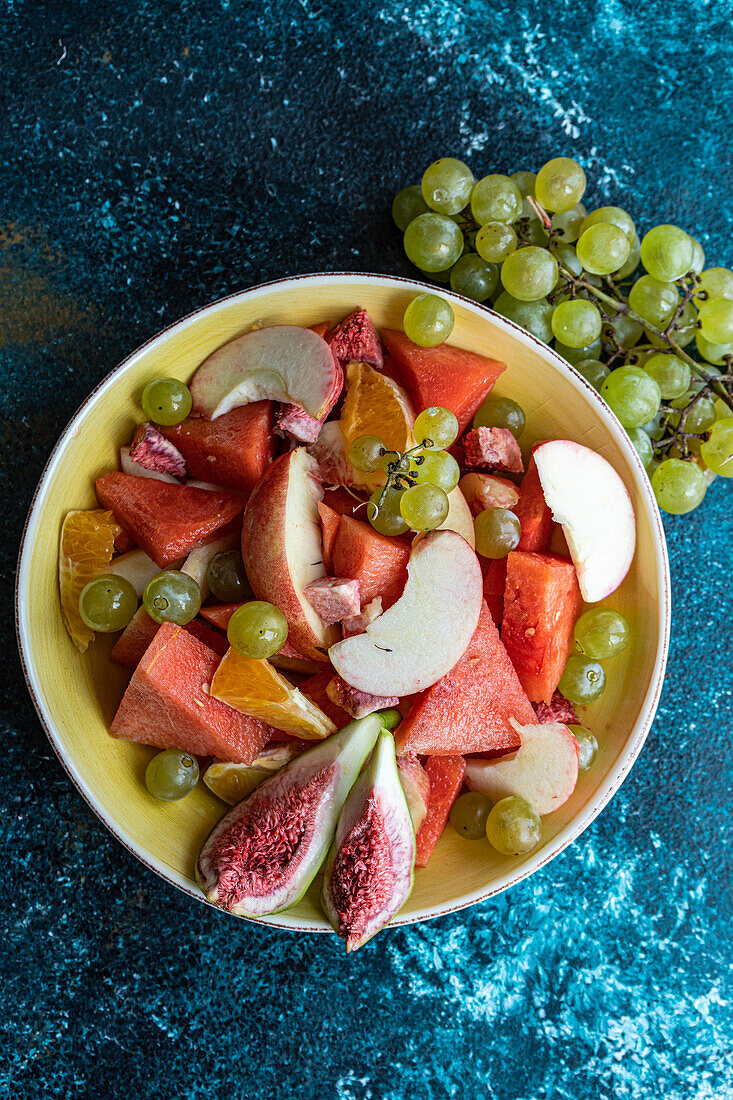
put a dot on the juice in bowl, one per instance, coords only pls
(302, 611)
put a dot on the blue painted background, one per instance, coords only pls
(154, 156)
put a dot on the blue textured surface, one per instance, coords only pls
(156, 156)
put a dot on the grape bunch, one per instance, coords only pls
(657, 343)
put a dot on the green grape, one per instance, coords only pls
(653, 300)
(390, 717)
(642, 444)
(655, 427)
(578, 355)
(365, 453)
(428, 320)
(172, 597)
(227, 578)
(496, 199)
(525, 181)
(560, 184)
(684, 330)
(667, 252)
(594, 371)
(716, 282)
(513, 827)
(438, 425)
(717, 451)
(612, 215)
(472, 277)
(533, 231)
(497, 532)
(529, 274)
(441, 276)
(601, 632)
(700, 416)
(678, 486)
(633, 261)
(257, 630)
(633, 395)
(424, 507)
(171, 775)
(446, 185)
(391, 458)
(433, 242)
(437, 468)
(388, 520)
(587, 747)
(713, 353)
(567, 256)
(536, 317)
(568, 224)
(698, 257)
(582, 681)
(107, 603)
(671, 374)
(576, 323)
(603, 248)
(468, 815)
(500, 412)
(625, 329)
(716, 320)
(166, 401)
(495, 241)
(407, 205)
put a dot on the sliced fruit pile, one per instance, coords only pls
(358, 614)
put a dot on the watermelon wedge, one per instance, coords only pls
(315, 688)
(167, 520)
(234, 450)
(446, 776)
(140, 631)
(494, 584)
(330, 522)
(377, 562)
(456, 379)
(532, 512)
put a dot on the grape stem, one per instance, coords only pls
(396, 474)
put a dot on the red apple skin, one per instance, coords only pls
(273, 548)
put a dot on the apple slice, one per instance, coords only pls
(543, 770)
(589, 499)
(136, 567)
(282, 363)
(281, 546)
(426, 631)
(196, 564)
(459, 517)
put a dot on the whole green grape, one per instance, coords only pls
(257, 630)
(611, 215)
(594, 371)
(166, 401)
(438, 425)
(525, 181)
(513, 827)
(424, 507)
(428, 320)
(653, 300)
(436, 468)
(667, 252)
(625, 329)
(717, 451)
(567, 225)
(679, 486)
(472, 277)
(601, 632)
(107, 603)
(642, 444)
(468, 815)
(633, 261)
(536, 317)
(172, 597)
(716, 282)
(365, 453)
(496, 198)
(407, 205)
(227, 578)
(700, 417)
(698, 257)
(388, 519)
(447, 185)
(576, 323)
(578, 355)
(171, 775)
(671, 374)
(497, 532)
(533, 231)
(716, 320)
(495, 241)
(633, 395)
(582, 681)
(529, 274)
(500, 412)
(603, 248)
(712, 353)
(560, 184)
(587, 746)
(433, 242)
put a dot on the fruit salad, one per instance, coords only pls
(274, 552)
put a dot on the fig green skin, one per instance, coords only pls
(345, 752)
(379, 781)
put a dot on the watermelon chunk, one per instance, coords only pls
(468, 711)
(315, 688)
(532, 512)
(456, 379)
(330, 521)
(167, 703)
(377, 562)
(140, 631)
(494, 584)
(234, 450)
(542, 601)
(167, 520)
(446, 776)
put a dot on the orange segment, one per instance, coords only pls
(257, 689)
(86, 549)
(375, 405)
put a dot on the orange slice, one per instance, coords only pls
(86, 549)
(233, 782)
(257, 689)
(375, 405)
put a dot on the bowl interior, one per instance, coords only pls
(77, 695)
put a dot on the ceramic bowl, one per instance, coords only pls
(76, 696)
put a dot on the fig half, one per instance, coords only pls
(369, 870)
(264, 854)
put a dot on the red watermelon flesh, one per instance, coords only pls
(315, 688)
(330, 522)
(377, 562)
(219, 613)
(234, 450)
(167, 703)
(494, 584)
(468, 710)
(456, 379)
(446, 776)
(542, 601)
(532, 512)
(140, 631)
(167, 520)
